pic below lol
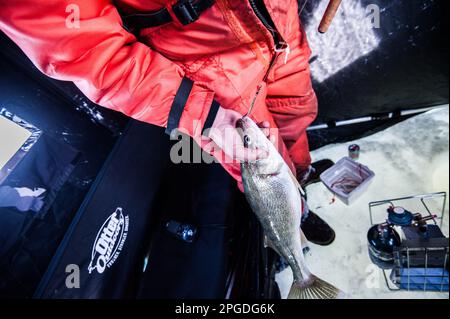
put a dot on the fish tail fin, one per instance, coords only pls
(314, 288)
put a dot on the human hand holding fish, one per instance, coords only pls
(225, 136)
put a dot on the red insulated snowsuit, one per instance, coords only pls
(223, 57)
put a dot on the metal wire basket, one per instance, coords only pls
(419, 265)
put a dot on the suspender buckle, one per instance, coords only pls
(185, 12)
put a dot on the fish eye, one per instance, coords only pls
(247, 139)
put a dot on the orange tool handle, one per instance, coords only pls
(329, 15)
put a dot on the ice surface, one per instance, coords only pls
(351, 36)
(409, 158)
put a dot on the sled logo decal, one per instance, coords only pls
(109, 241)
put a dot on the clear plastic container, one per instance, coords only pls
(347, 179)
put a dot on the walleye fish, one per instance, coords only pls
(274, 195)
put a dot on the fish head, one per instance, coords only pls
(251, 135)
(254, 138)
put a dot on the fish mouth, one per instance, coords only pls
(240, 124)
(241, 127)
(244, 123)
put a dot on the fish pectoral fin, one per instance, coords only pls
(269, 244)
(297, 184)
(305, 244)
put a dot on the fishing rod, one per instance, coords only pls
(303, 7)
(386, 116)
(329, 15)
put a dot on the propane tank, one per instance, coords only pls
(382, 240)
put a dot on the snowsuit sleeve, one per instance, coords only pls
(105, 62)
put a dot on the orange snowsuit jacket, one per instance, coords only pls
(222, 57)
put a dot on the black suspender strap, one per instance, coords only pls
(211, 117)
(140, 21)
(186, 11)
(178, 105)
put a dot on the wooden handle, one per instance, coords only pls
(329, 15)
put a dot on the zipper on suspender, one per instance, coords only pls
(280, 46)
(269, 25)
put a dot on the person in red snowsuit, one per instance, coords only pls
(184, 65)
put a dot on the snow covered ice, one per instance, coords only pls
(409, 158)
